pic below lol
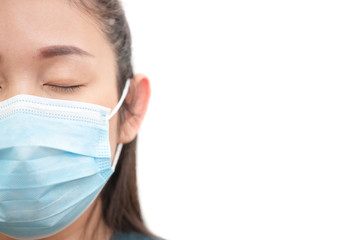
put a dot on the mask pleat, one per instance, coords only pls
(44, 227)
(38, 176)
(23, 130)
(57, 205)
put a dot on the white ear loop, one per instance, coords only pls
(116, 109)
(123, 96)
(116, 156)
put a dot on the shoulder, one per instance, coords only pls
(130, 236)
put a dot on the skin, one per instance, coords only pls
(29, 65)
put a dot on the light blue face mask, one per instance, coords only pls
(55, 158)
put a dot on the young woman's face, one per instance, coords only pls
(52, 49)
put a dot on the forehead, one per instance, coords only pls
(28, 24)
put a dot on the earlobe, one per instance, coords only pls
(137, 101)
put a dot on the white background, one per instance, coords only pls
(253, 129)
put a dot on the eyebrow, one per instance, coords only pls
(61, 50)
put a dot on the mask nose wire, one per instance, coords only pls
(122, 98)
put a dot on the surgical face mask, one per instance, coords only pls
(55, 159)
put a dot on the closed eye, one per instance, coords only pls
(65, 89)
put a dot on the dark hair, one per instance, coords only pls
(119, 198)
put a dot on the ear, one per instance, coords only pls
(137, 101)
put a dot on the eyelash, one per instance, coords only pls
(66, 89)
